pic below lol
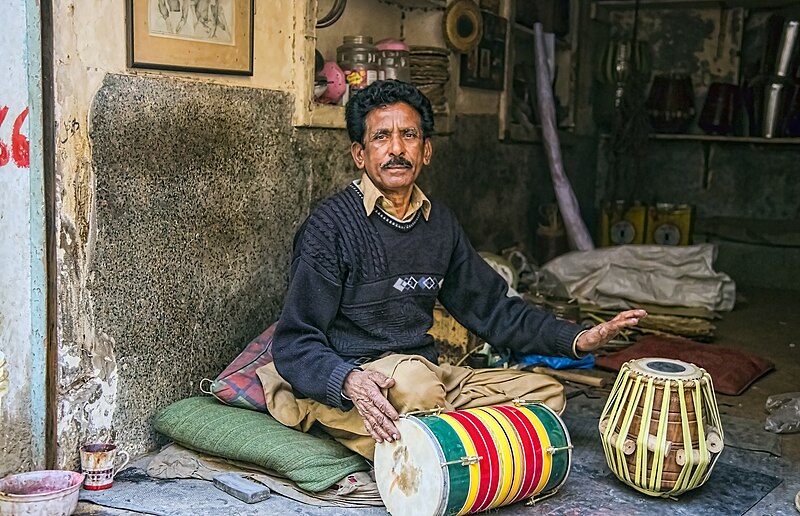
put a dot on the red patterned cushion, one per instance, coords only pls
(238, 385)
(732, 370)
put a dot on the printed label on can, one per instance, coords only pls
(356, 79)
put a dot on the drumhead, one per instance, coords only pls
(409, 472)
(666, 368)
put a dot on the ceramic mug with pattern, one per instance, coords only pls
(97, 463)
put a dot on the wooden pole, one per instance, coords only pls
(584, 379)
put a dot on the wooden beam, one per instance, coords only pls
(691, 4)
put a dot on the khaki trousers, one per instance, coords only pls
(419, 385)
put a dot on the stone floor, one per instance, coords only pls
(765, 322)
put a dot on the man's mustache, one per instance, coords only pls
(397, 161)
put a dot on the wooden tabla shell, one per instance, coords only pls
(434, 469)
(660, 428)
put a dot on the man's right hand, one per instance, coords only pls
(364, 389)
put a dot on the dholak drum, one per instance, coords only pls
(472, 460)
(660, 427)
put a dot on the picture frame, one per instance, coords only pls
(209, 36)
(484, 67)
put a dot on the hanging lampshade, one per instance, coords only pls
(622, 56)
(619, 58)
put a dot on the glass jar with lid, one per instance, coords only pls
(358, 59)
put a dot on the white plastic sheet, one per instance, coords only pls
(614, 277)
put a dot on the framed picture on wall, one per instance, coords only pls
(484, 67)
(212, 36)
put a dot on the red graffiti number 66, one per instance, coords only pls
(20, 146)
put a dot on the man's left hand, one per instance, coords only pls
(602, 333)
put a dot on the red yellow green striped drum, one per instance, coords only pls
(473, 460)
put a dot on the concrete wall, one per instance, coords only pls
(177, 198)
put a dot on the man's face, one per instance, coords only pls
(394, 150)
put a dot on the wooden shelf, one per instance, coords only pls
(523, 29)
(308, 113)
(729, 139)
(758, 140)
(418, 4)
(561, 44)
(692, 4)
(517, 133)
(325, 115)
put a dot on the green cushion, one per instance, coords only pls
(206, 425)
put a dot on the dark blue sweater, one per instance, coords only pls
(362, 286)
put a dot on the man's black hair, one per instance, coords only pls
(383, 93)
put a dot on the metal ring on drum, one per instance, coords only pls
(660, 428)
(473, 460)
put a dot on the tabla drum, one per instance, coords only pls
(473, 460)
(660, 427)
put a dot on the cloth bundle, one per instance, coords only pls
(617, 277)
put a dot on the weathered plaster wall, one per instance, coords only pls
(730, 180)
(736, 180)
(22, 345)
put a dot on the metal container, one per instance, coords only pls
(773, 103)
(720, 108)
(358, 59)
(771, 99)
(393, 60)
(669, 224)
(622, 223)
(782, 49)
